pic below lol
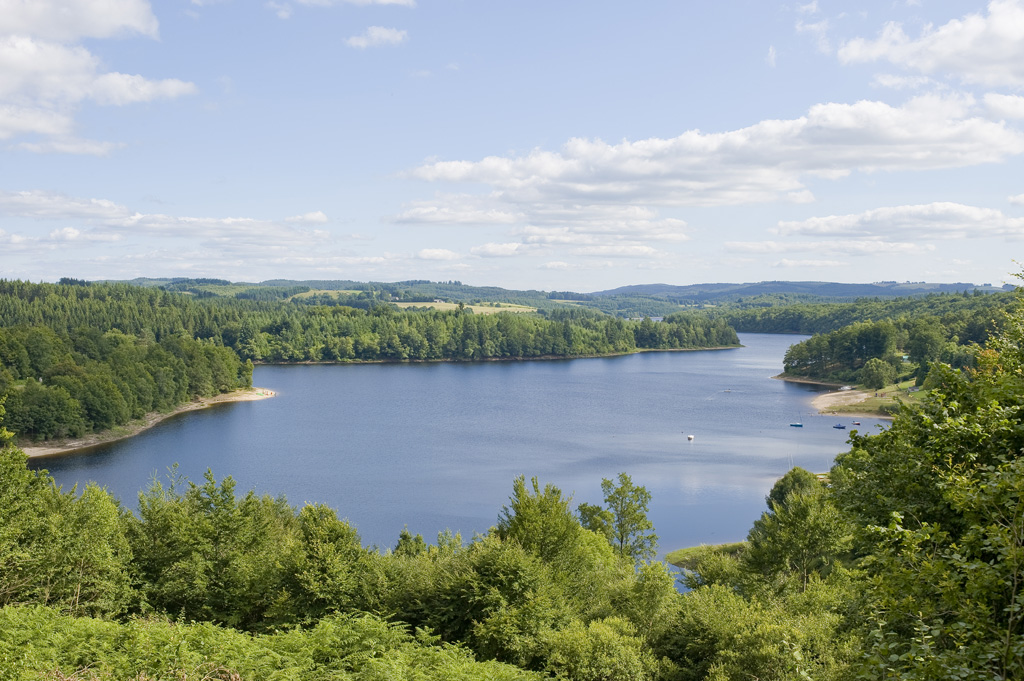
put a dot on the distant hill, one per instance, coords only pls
(645, 300)
(697, 293)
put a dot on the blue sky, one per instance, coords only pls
(562, 146)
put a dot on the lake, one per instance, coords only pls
(436, 446)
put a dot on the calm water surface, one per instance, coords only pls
(436, 446)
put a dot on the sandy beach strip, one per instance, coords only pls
(55, 447)
(827, 402)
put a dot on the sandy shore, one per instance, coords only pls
(826, 402)
(54, 447)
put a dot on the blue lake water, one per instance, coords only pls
(436, 446)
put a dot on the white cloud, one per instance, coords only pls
(72, 234)
(68, 21)
(1017, 200)
(788, 263)
(456, 210)
(982, 49)
(282, 10)
(618, 251)
(375, 36)
(314, 218)
(19, 120)
(892, 82)
(844, 247)
(764, 162)
(330, 3)
(561, 265)
(51, 206)
(941, 220)
(771, 56)
(505, 250)
(1005, 106)
(437, 254)
(70, 145)
(819, 30)
(109, 221)
(118, 89)
(45, 74)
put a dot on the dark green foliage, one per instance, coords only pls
(938, 498)
(76, 359)
(796, 481)
(849, 338)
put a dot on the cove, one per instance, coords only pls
(436, 446)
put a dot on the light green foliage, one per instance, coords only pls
(331, 571)
(37, 643)
(802, 535)
(408, 545)
(203, 553)
(5, 435)
(538, 520)
(605, 650)
(60, 549)
(719, 635)
(597, 519)
(632, 531)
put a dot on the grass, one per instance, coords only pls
(333, 293)
(887, 397)
(484, 308)
(687, 558)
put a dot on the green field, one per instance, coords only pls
(334, 294)
(486, 308)
(687, 558)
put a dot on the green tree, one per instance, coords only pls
(877, 373)
(632, 531)
(539, 520)
(796, 481)
(803, 535)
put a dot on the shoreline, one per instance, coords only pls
(133, 428)
(452, 360)
(825, 402)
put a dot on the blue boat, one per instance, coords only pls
(796, 425)
(839, 426)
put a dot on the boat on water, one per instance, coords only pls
(856, 423)
(839, 426)
(796, 425)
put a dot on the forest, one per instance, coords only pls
(79, 357)
(905, 562)
(877, 343)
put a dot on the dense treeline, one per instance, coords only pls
(266, 330)
(968, 315)
(65, 386)
(906, 564)
(865, 342)
(80, 357)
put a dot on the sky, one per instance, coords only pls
(571, 145)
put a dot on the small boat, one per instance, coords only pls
(839, 426)
(856, 423)
(796, 425)
(689, 437)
